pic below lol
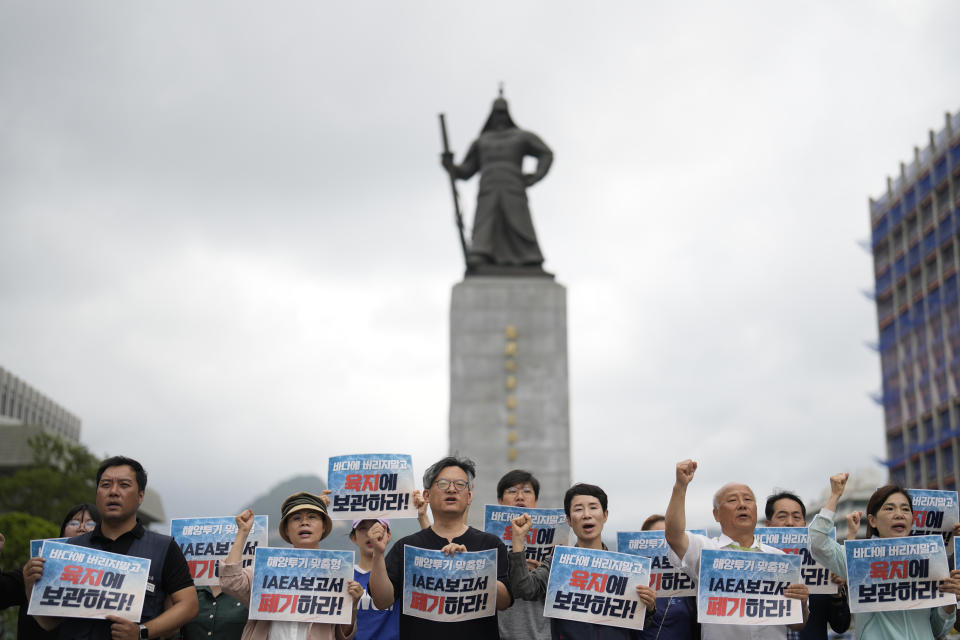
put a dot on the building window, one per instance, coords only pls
(932, 467)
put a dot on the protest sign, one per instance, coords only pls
(374, 485)
(35, 545)
(301, 585)
(79, 582)
(746, 587)
(666, 579)
(449, 589)
(933, 512)
(205, 542)
(548, 528)
(892, 574)
(598, 587)
(794, 540)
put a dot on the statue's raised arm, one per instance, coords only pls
(503, 241)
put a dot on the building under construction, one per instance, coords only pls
(915, 240)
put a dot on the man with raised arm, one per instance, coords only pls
(785, 509)
(447, 487)
(735, 508)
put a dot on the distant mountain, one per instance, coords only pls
(269, 504)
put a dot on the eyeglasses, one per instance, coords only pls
(459, 485)
(89, 525)
(512, 491)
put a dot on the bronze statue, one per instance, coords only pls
(503, 241)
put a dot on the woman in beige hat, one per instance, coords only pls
(303, 523)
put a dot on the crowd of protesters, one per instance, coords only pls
(175, 608)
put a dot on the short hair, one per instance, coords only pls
(876, 501)
(468, 466)
(582, 489)
(716, 496)
(652, 520)
(772, 500)
(120, 461)
(515, 477)
(78, 510)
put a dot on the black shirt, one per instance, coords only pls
(412, 628)
(176, 573)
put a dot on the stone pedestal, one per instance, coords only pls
(509, 397)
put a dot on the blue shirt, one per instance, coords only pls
(373, 623)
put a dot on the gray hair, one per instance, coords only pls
(716, 496)
(469, 467)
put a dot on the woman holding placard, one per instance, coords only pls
(889, 515)
(303, 523)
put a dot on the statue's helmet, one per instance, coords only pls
(499, 113)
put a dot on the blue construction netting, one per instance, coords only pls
(880, 231)
(945, 230)
(924, 187)
(910, 199)
(896, 213)
(900, 266)
(884, 282)
(913, 257)
(888, 337)
(940, 171)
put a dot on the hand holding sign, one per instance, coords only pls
(32, 571)
(123, 629)
(355, 589)
(798, 591)
(453, 549)
(648, 596)
(951, 584)
(685, 471)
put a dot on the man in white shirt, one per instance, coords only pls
(735, 508)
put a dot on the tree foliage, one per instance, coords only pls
(19, 529)
(62, 475)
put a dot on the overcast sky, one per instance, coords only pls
(226, 242)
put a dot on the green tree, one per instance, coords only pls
(62, 475)
(19, 529)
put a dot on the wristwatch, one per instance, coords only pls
(144, 632)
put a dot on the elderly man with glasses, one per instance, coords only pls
(447, 487)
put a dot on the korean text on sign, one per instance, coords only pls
(449, 589)
(205, 542)
(79, 582)
(548, 528)
(301, 585)
(36, 545)
(794, 540)
(598, 587)
(374, 485)
(747, 588)
(933, 512)
(892, 574)
(666, 579)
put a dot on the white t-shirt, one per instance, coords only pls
(289, 630)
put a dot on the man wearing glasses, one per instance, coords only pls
(447, 487)
(524, 620)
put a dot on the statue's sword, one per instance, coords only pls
(453, 189)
